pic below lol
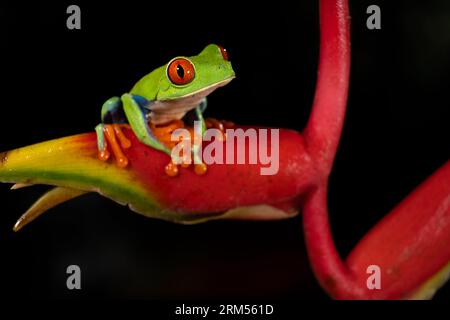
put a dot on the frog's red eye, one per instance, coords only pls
(224, 53)
(180, 71)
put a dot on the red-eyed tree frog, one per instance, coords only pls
(174, 91)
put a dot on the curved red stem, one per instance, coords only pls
(322, 135)
(410, 243)
(331, 271)
(323, 130)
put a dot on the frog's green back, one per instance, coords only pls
(149, 85)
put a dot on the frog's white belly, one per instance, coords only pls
(164, 111)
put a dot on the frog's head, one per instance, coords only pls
(196, 75)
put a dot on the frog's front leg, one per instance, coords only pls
(211, 122)
(111, 134)
(136, 114)
(199, 167)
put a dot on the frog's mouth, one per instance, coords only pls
(164, 111)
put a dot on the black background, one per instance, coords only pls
(55, 81)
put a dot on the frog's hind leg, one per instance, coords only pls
(112, 111)
(103, 153)
(111, 135)
(109, 132)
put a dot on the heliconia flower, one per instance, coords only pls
(410, 245)
(72, 163)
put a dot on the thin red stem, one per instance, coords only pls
(331, 271)
(322, 136)
(323, 131)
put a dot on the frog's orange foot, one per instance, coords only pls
(172, 168)
(200, 169)
(164, 132)
(219, 125)
(115, 141)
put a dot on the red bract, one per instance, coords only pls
(227, 186)
(411, 243)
